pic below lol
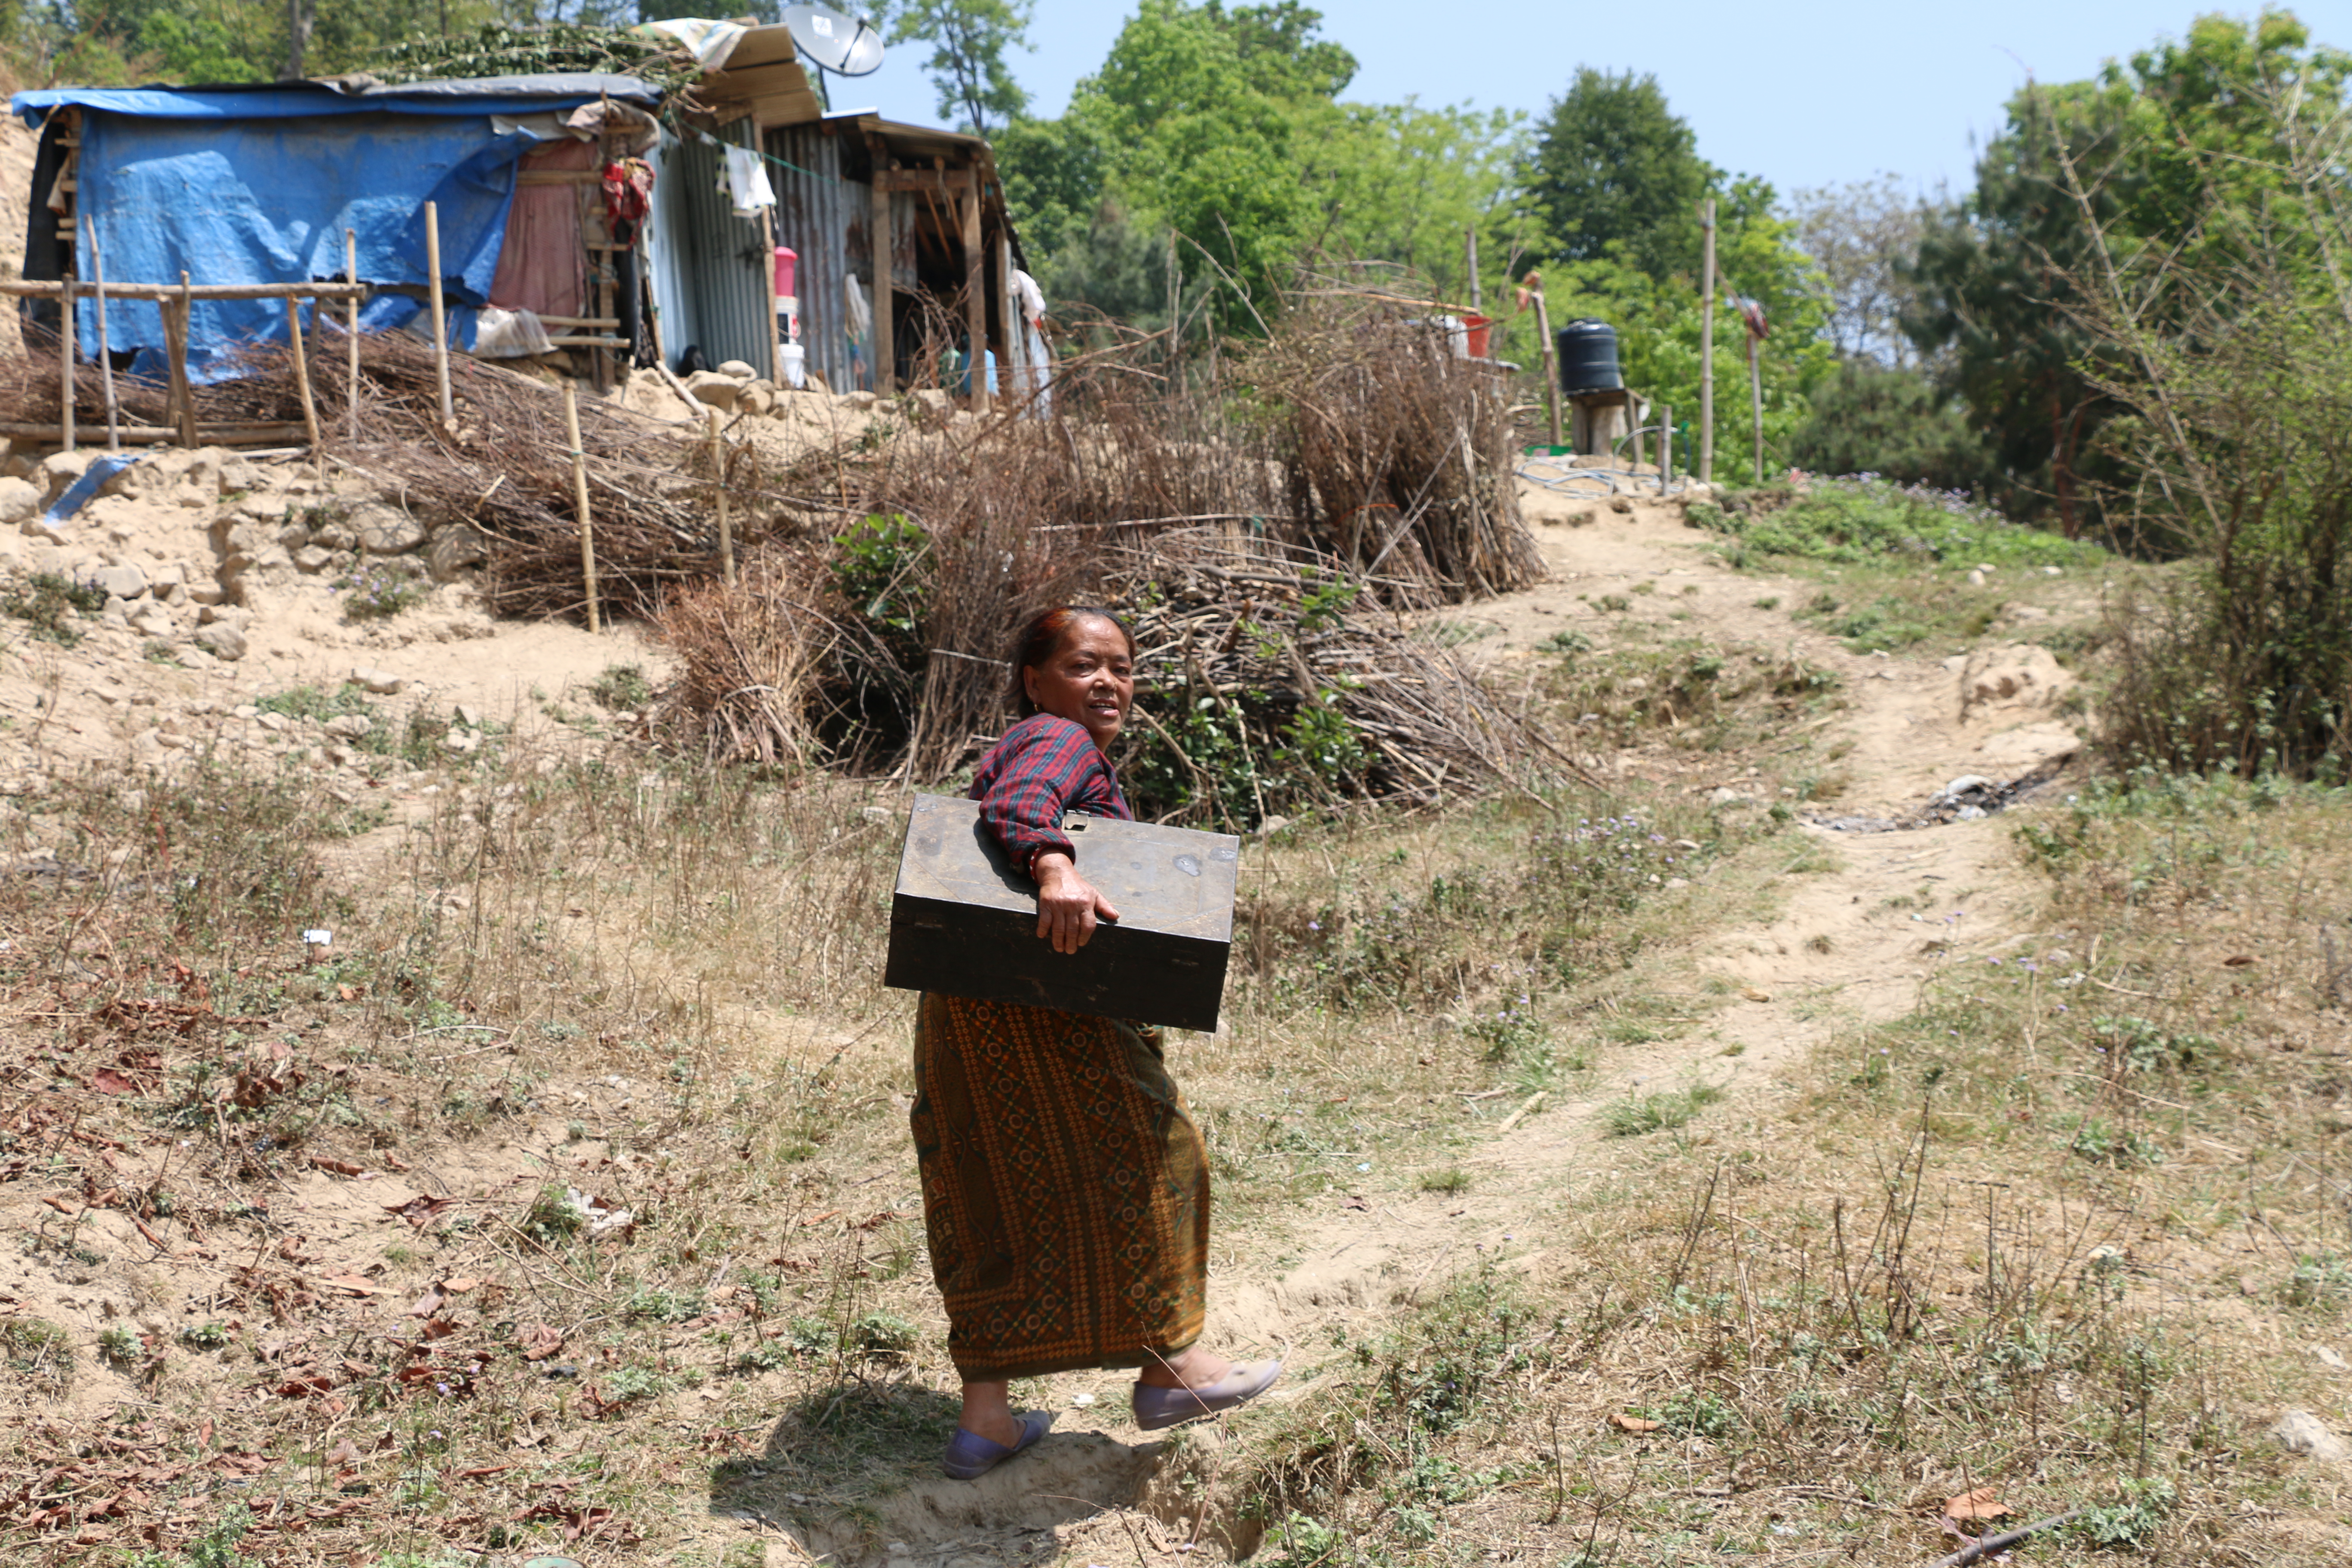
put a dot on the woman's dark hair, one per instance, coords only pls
(1041, 640)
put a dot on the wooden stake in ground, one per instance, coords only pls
(441, 329)
(1666, 445)
(719, 480)
(177, 314)
(351, 329)
(768, 288)
(1470, 257)
(105, 349)
(302, 380)
(1706, 344)
(66, 365)
(579, 500)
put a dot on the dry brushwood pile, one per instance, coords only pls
(1261, 551)
(506, 467)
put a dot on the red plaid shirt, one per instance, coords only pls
(1044, 767)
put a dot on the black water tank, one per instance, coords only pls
(1588, 357)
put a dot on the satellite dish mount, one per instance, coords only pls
(832, 42)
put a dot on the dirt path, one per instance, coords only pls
(1848, 945)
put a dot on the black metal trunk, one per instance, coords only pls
(964, 923)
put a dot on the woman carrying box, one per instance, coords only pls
(1066, 1192)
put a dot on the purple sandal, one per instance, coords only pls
(1156, 1408)
(971, 1455)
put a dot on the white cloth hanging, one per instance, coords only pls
(747, 181)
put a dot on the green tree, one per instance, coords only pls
(1617, 173)
(1894, 422)
(2172, 157)
(969, 40)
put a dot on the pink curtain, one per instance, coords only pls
(543, 267)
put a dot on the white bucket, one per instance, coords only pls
(795, 365)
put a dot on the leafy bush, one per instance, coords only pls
(621, 688)
(379, 590)
(1658, 1112)
(1865, 517)
(45, 600)
(1870, 418)
(880, 565)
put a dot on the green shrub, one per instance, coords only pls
(378, 590)
(46, 602)
(1870, 419)
(1863, 519)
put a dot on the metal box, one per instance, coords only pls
(964, 923)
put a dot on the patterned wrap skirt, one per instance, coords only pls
(1066, 1192)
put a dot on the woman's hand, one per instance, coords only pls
(1068, 909)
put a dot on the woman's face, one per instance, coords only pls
(1089, 679)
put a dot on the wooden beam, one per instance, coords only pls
(52, 288)
(975, 294)
(883, 351)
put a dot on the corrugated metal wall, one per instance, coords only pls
(665, 266)
(722, 256)
(823, 218)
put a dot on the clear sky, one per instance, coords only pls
(1811, 93)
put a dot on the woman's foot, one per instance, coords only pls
(971, 1455)
(1159, 1405)
(1188, 1368)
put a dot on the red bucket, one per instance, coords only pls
(1475, 331)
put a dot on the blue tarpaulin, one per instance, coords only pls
(258, 186)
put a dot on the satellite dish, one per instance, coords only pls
(834, 42)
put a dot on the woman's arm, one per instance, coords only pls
(1022, 807)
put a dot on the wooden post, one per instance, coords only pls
(975, 277)
(177, 314)
(105, 349)
(1634, 419)
(351, 330)
(580, 498)
(66, 366)
(1470, 255)
(1755, 399)
(302, 380)
(1015, 374)
(1666, 445)
(767, 287)
(1706, 346)
(879, 347)
(441, 333)
(1550, 368)
(719, 482)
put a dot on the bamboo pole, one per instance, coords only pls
(441, 329)
(57, 289)
(153, 434)
(1550, 366)
(105, 349)
(1706, 347)
(1666, 445)
(1470, 258)
(66, 365)
(351, 330)
(718, 481)
(580, 498)
(178, 312)
(303, 382)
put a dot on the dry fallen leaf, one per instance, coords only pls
(351, 1282)
(458, 1287)
(1983, 1502)
(539, 1341)
(2238, 961)
(1624, 1423)
(1755, 996)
